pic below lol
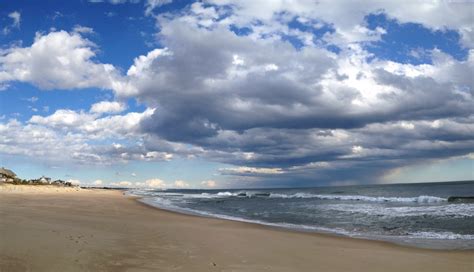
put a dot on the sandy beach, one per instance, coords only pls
(67, 229)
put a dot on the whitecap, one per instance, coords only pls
(417, 199)
(446, 235)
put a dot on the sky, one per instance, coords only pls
(237, 93)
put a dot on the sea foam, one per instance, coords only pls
(417, 199)
(441, 235)
(452, 211)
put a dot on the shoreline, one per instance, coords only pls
(105, 230)
(265, 225)
(439, 244)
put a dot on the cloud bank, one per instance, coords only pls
(287, 92)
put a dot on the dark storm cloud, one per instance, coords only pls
(423, 97)
(266, 104)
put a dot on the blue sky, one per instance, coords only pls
(208, 94)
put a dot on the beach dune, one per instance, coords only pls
(68, 229)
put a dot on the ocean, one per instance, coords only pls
(417, 215)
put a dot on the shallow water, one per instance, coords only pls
(410, 214)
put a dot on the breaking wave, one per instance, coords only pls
(453, 210)
(441, 235)
(417, 199)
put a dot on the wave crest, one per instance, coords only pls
(441, 235)
(416, 199)
(419, 199)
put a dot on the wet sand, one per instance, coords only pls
(66, 229)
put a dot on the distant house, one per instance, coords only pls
(59, 182)
(45, 180)
(7, 175)
(41, 180)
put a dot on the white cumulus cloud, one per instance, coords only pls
(209, 183)
(58, 60)
(181, 184)
(108, 107)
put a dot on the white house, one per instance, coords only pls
(45, 180)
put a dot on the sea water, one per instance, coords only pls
(411, 214)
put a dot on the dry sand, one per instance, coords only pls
(54, 229)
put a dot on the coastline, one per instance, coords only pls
(103, 230)
(411, 243)
(324, 233)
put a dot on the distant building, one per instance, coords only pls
(7, 175)
(59, 182)
(41, 180)
(45, 180)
